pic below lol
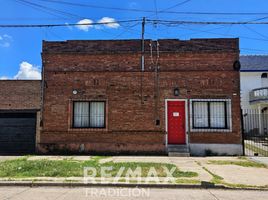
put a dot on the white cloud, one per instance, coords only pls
(133, 4)
(111, 22)
(7, 36)
(5, 40)
(4, 44)
(3, 78)
(84, 27)
(28, 71)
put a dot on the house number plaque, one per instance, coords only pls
(176, 114)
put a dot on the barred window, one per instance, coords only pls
(264, 80)
(89, 114)
(212, 114)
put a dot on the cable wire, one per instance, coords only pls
(256, 32)
(174, 22)
(152, 21)
(62, 25)
(45, 8)
(153, 11)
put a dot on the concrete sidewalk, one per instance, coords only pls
(210, 170)
(231, 173)
(263, 160)
(97, 193)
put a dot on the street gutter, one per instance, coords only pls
(128, 185)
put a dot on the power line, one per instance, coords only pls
(45, 8)
(217, 13)
(174, 22)
(155, 6)
(196, 31)
(225, 35)
(256, 32)
(33, 19)
(163, 22)
(166, 9)
(37, 8)
(163, 10)
(153, 11)
(254, 50)
(127, 29)
(176, 5)
(259, 19)
(130, 29)
(61, 25)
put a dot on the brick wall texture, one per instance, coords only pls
(110, 71)
(20, 95)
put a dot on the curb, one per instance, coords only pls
(129, 185)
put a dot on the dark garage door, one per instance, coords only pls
(17, 133)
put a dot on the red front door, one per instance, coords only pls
(176, 122)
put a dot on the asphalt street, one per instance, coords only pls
(59, 193)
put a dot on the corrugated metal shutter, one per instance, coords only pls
(17, 133)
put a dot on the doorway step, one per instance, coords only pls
(178, 151)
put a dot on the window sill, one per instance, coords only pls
(210, 130)
(88, 129)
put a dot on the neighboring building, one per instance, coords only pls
(96, 98)
(254, 92)
(19, 116)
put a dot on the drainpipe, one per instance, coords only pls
(142, 44)
(142, 58)
(42, 93)
(157, 85)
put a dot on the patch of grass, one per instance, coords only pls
(98, 158)
(41, 168)
(199, 163)
(178, 181)
(145, 168)
(22, 168)
(242, 158)
(220, 180)
(244, 163)
(256, 149)
(216, 178)
(243, 186)
(69, 158)
(70, 181)
(188, 181)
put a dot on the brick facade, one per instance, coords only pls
(110, 71)
(20, 95)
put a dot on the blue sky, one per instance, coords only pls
(20, 48)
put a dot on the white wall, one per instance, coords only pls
(198, 149)
(252, 121)
(249, 81)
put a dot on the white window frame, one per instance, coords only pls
(89, 126)
(229, 107)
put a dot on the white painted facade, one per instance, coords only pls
(250, 81)
(255, 114)
(219, 149)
